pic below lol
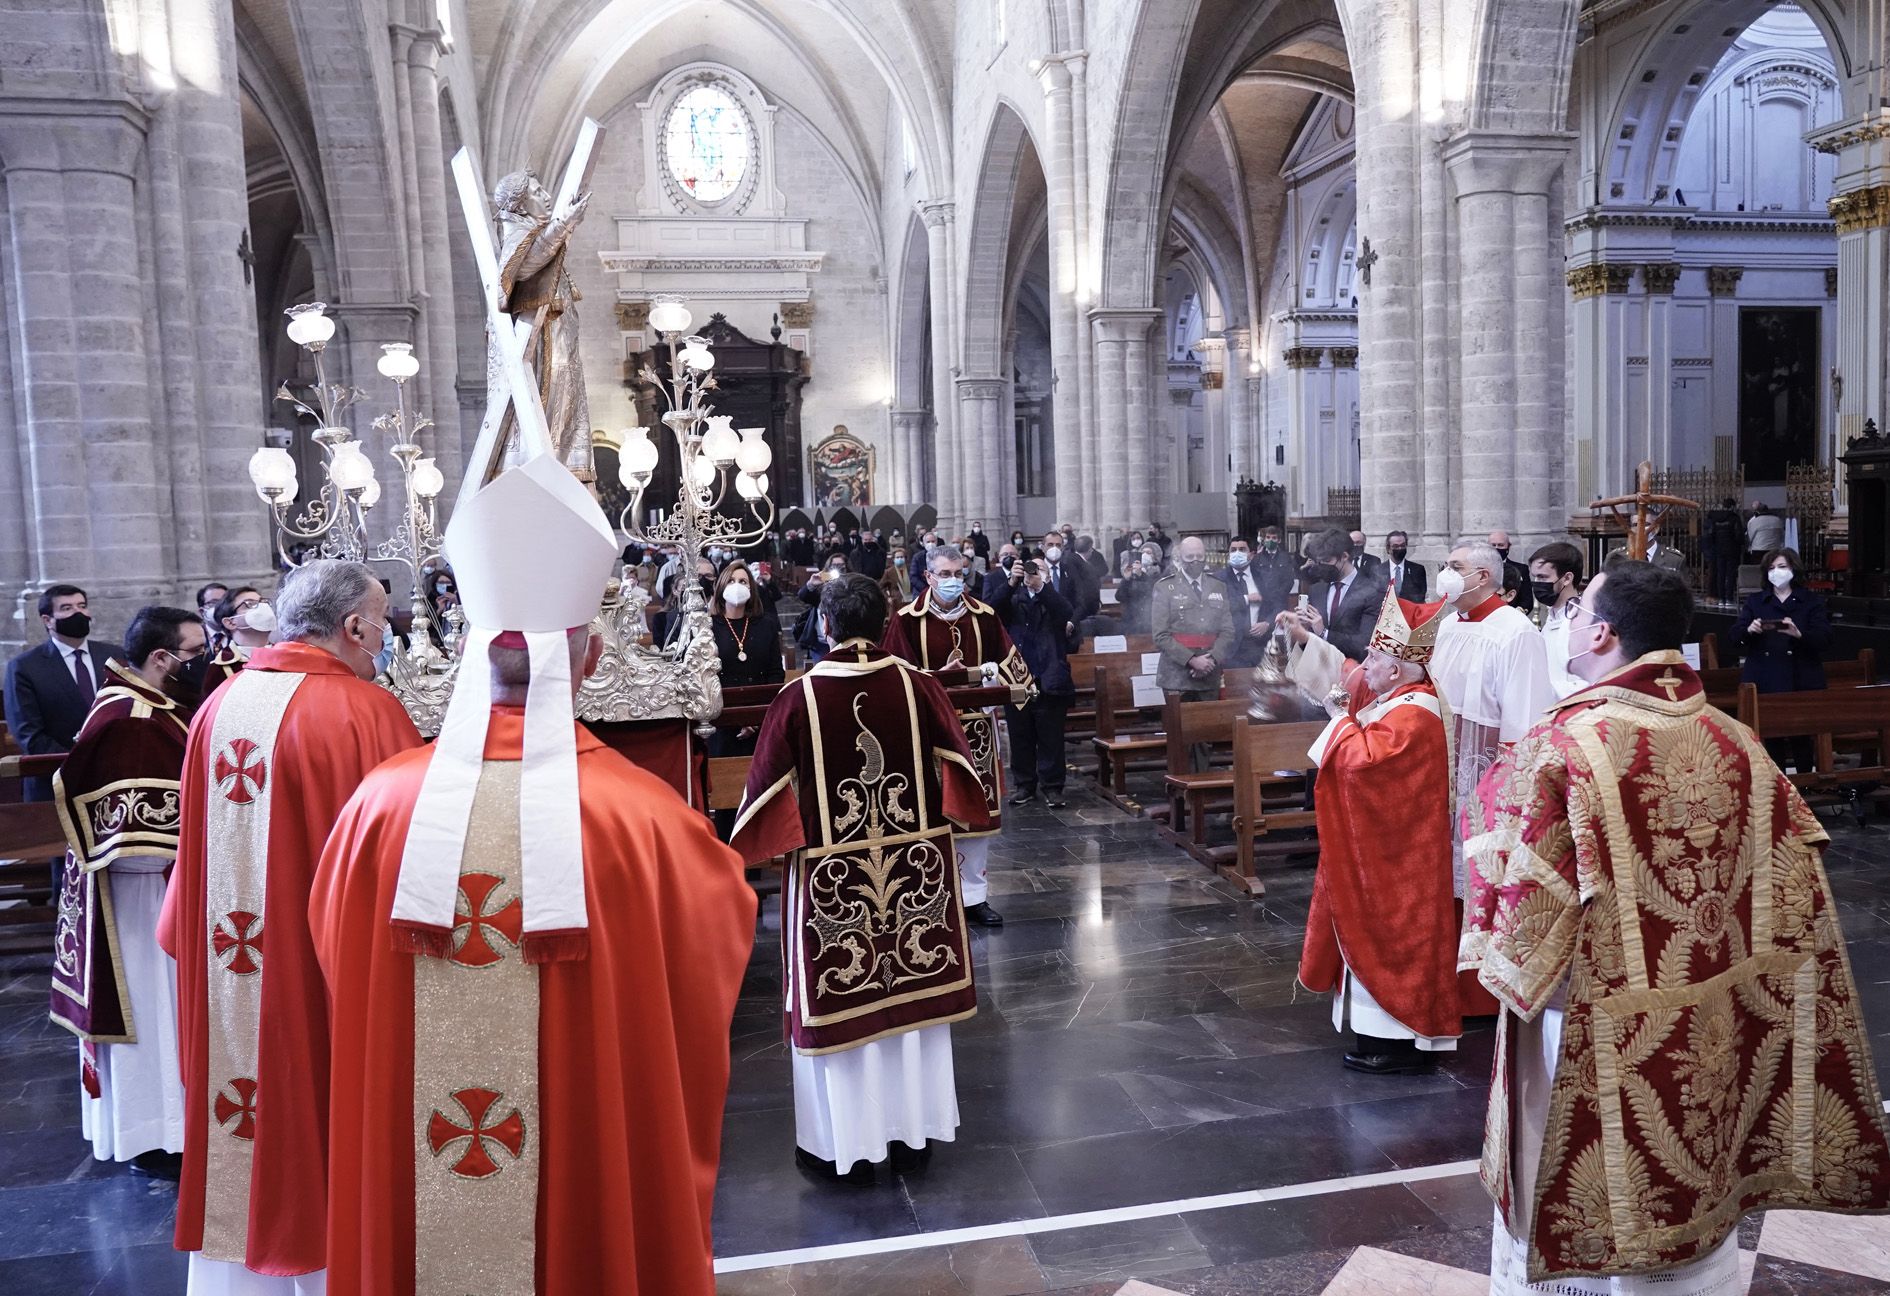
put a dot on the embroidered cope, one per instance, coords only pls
(1639, 857)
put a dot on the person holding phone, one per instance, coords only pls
(1783, 632)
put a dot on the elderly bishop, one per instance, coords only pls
(273, 757)
(533, 949)
(862, 776)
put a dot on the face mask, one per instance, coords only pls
(1151, 558)
(1322, 573)
(1054, 553)
(1238, 560)
(735, 594)
(1270, 545)
(1450, 584)
(1543, 590)
(1502, 551)
(373, 657)
(260, 616)
(977, 530)
(970, 552)
(950, 589)
(899, 561)
(1397, 555)
(1193, 566)
(73, 625)
(1358, 550)
(1780, 577)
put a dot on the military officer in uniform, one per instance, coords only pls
(1193, 629)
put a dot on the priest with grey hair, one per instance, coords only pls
(272, 758)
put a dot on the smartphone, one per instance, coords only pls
(1305, 602)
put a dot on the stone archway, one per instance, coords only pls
(912, 367)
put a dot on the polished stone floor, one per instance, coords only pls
(1145, 1100)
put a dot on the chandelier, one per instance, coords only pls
(333, 522)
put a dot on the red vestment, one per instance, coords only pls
(1638, 857)
(861, 771)
(632, 1038)
(313, 731)
(1381, 901)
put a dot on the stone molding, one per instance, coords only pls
(1861, 209)
(797, 314)
(58, 133)
(1599, 277)
(633, 316)
(1504, 163)
(982, 389)
(1723, 281)
(1830, 281)
(1687, 218)
(937, 214)
(1842, 135)
(625, 262)
(1122, 324)
(1660, 276)
(1303, 357)
(1345, 357)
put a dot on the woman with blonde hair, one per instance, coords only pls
(895, 581)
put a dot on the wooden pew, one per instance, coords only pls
(1118, 745)
(1266, 800)
(1081, 721)
(1723, 684)
(1823, 715)
(31, 844)
(1192, 794)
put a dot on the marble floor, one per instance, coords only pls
(1147, 1107)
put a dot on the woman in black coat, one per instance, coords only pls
(1784, 629)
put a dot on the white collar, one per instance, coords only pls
(83, 650)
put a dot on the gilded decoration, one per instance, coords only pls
(1345, 357)
(797, 315)
(879, 908)
(1660, 276)
(1599, 277)
(1723, 281)
(1303, 357)
(1861, 209)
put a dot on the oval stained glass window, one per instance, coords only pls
(705, 144)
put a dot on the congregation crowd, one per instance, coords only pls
(473, 1044)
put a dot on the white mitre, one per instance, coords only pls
(531, 553)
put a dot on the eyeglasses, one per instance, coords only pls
(1576, 607)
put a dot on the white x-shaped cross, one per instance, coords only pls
(514, 334)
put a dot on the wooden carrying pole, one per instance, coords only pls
(1649, 510)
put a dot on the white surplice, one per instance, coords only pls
(1555, 645)
(851, 1106)
(140, 1107)
(228, 1278)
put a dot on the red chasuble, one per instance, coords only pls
(920, 635)
(1638, 854)
(117, 795)
(273, 756)
(861, 770)
(554, 1127)
(1381, 901)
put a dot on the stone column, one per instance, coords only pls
(1306, 460)
(1342, 394)
(1243, 425)
(980, 407)
(945, 457)
(1124, 421)
(94, 503)
(1861, 207)
(1067, 408)
(1509, 416)
(1659, 278)
(438, 344)
(908, 429)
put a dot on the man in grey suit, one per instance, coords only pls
(50, 687)
(1345, 601)
(1405, 576)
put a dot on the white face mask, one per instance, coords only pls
(735, 594)
(1054, 553)
(1780, 577)
(261, 617)
(1450, 585)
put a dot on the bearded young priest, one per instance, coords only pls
(533, 949)
(117, 796)
(1382, 932)
(273, 756)
(862, 775)
(1681, 1041)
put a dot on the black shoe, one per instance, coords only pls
(908, 1160)
(983, 915)
(1390, 1064)
(1024, 796)
(813, 1167)
(1054, 800)
(167, 1166)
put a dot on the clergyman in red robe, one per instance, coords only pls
(1382, 927)
(273, 756)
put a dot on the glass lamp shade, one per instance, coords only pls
(271, 469)
(309, 324)
(397, 361)
(638, 455)
(753, 455)
(702, 470)
(697, 356)
(349, 469)
(667, 315)
(721, 441)
(428, 480)
(372, 494)
(748, 487)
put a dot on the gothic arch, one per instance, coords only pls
(990, 249)
(1525, 56)
(911, 307)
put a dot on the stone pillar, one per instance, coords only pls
(438, 344)
(945, 457)
(1860, 206)
(1342, 395)
(1306, 459)
(908, 430)
(1509, 388)
(1122, 417)
(1243, 425)
(980, 408)
(1067, 408)
(92, 490)
(1659, 278)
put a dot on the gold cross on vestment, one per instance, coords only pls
(1670, 682)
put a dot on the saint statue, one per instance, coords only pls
(534, 285)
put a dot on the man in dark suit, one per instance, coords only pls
(1069, 578)
(49, 688)
(1251, 601)
(1345, 601)
(1525, 598)
(1405, 576)
(1367, 564)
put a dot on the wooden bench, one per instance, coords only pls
(1267, 798)
(1081, 721)
(1192, 793)
(1723, 685)
(1825, 715)
(31, 844)
(1126, 737)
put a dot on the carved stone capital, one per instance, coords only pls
(797, 315)
(1660, 276)
(1345, 357)
(1861, 209)
(1599, 277)
(936, 214)
(633, 316)
(1723, 281)
(1303, 357)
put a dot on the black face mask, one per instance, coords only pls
(1397, 555)
(73, 625)
(1543, 590)
(1321, 573)
(1502, 551)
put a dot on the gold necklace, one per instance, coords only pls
(741, 640)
